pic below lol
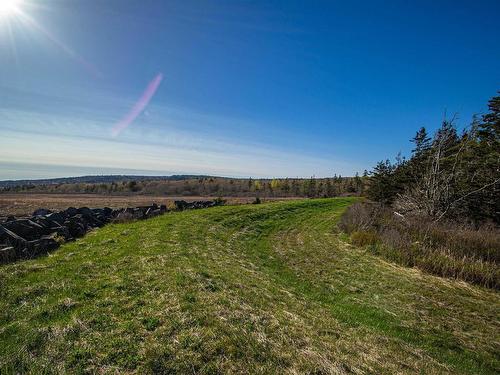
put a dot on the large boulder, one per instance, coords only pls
(9, 237)
(156, 212)
(25, 228)
(42, 245)
(6, 219)
(85, 211)
(58, 217)
(42, 212)
(181, 205)
(7, 254)
(77, 227)
(71, 211)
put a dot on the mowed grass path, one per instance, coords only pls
(266, 288)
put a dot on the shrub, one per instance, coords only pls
(256, 201)
(219, 201)
(364, 238)
(447, 249)
(360, 217)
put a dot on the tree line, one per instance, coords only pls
(211, 186)
(450, 174)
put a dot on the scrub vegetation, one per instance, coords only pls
(446, 249)
(439, 210)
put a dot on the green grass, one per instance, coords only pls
(266, 288)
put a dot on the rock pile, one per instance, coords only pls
(183, 205)
(139, 213)
(28, 237)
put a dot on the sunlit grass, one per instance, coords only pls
(248, 289)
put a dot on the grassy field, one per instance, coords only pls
(266, 288)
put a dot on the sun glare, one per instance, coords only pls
(9, 7)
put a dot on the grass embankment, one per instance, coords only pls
(252, 289)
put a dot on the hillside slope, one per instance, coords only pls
(241, 289)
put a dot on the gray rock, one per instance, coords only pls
(25, 228)
(42, 212)
(71, 211)
(58, 217)
(9, 237)
(7, 254)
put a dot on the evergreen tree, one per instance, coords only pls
(358, 183)
(485, 166)
(382, 186)
(422, 142)
(452, 176)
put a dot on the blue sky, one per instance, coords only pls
(249, 88)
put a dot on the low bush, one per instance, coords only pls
(364, 238)
(448, 249)
(360, 217)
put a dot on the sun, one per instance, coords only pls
(9, 7)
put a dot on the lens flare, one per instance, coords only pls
(12, 12)
(139, 106)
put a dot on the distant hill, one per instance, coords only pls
(96, 180)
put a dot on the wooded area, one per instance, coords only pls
(450, 175)
(209, 186)
(439, 209)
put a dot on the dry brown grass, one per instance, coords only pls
(24, 204)
(446, 249)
